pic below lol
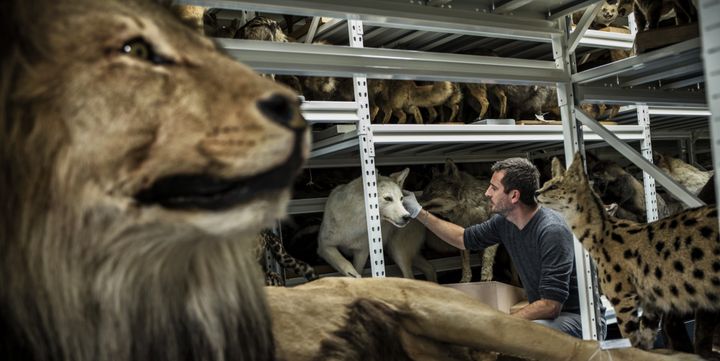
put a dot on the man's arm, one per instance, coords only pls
(542, 309)
(447, 231)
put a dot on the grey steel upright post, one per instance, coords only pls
(573, 143)
(651, 208)
(710, 29)
(367, 159)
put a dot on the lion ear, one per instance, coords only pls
(399, 177)
(451, 169)
(557, 168)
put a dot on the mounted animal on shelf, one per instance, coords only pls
(650, 13)
(215, 28)
(615, 185)
(460, 198)
(524, 102)
(687, 175)
(344, 229)
(139, 164)
(404, 96)
(266, 29)
(668, 265)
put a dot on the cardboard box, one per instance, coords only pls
(498, 295)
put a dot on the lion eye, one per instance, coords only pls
(141, 49)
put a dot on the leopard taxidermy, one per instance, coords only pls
(143, 162)
(269, 241)
(669, 265)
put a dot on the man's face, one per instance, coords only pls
(500, 201)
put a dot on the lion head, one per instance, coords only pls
(138, 163)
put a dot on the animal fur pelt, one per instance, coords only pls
(342, 318)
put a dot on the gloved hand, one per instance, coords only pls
(411, 204)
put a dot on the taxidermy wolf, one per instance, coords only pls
(139, 164)
(460, 198)
(344, 229)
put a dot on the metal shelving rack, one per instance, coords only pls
(537, 35)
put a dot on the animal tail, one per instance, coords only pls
(431, 95)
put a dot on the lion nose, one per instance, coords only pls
(282, 110)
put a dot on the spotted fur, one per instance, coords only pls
(669, 265)
(269, 241)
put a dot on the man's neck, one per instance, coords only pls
(521, 215)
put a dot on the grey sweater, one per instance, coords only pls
(542, 253)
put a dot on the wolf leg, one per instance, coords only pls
(425, 267)
(466, 271)
(337, 261)
(360, 257)
(488, 262)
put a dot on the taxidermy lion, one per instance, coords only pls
(139, 163)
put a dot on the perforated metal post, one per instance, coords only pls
(587, 289)
(710, 30)
(367, 159)
(646, 148)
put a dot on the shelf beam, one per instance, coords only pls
(324, 60)
(689, 49)
(402, 16)
(662, 98)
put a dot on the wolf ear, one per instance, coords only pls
(557, 168)
(399, 177)
(451, 169)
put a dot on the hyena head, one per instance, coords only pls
(561, 193)
(390, 198)
(456, 196)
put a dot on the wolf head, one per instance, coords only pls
(456, 196)
(390, 198)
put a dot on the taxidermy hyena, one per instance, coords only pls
(460, 198)
(689, 176)
(649, 13)
(669, 265)
(344, 229)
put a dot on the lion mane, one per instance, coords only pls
(138, 164)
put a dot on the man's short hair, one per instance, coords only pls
(522, 175)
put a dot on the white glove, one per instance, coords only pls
(411, 204)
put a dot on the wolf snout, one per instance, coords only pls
(282, 109)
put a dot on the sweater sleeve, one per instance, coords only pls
(556, 244)
(482, 235)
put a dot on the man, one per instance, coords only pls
(537, 239)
